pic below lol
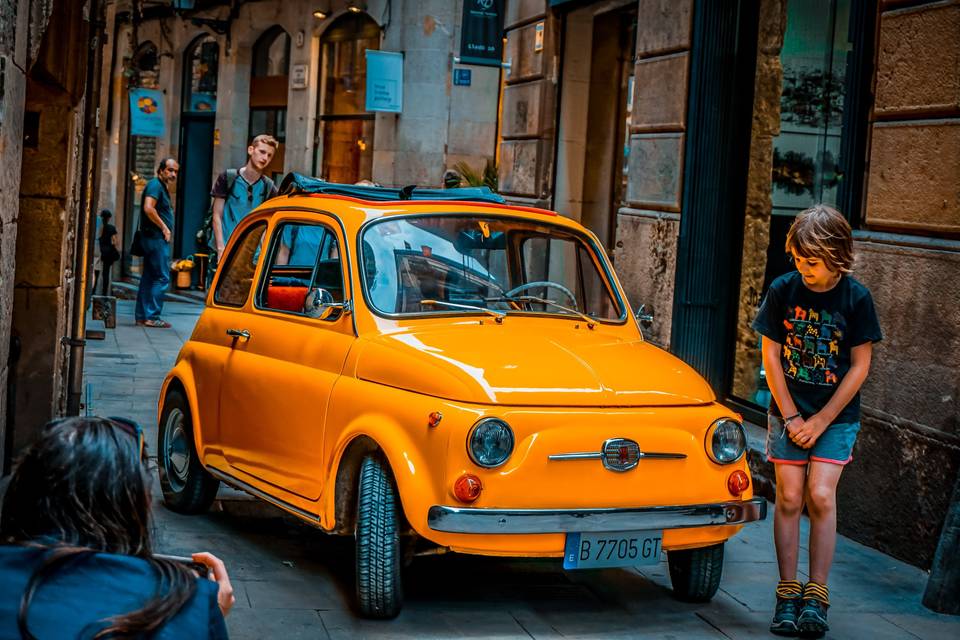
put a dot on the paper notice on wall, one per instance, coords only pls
(384, 81)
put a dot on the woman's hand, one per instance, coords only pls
(805, 433)
(225, 596)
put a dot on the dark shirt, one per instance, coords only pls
(106, 235)
(816, 332)
(156, 189)
(74, 600)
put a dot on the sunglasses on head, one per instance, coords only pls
(129, 426)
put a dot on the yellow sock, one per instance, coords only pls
(817, 591)
(789, 589)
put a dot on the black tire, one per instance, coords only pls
(187, 486)
(695, 573)
(379, 586)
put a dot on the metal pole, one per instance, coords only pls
(85, 222)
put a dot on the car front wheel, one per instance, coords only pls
(379, 589)
(695, 573)
(187, 486)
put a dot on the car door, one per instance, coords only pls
(211, 345)
(280, 374)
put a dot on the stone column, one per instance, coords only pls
(756, 225)
(13, 60)
(646, 239)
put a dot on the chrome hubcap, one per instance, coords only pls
(176, 452)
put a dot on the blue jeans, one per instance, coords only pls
(154, 279)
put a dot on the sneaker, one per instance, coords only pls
(157, 324)
(812, 621)
(785, 616)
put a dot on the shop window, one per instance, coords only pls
(200, 82)
(344, 137)
(269, 83)
(813, 158)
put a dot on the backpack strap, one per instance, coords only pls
(232, 175)
(268, 187)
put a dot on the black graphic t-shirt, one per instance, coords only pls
(816, 332)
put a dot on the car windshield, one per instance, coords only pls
(470, 264)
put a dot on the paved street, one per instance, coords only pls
(295, 582)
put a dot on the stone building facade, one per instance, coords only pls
(45, 46)
(851, 102)
(277, 67)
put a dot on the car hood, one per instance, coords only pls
(512, 365)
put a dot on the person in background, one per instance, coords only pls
(76, 559)
(109, 244)
(237, 192)
(156, 230)
(451, 179)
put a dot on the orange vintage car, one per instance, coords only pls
(431, 370)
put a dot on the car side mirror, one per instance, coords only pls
(319, 304)
(645, 319)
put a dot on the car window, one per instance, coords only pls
(464, 264)
(237, 277)
(304, 272)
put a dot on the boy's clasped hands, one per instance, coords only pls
(805, 433)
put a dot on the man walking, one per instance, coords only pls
(156, 224)
(237, 192)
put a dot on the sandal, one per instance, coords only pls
(157, 324)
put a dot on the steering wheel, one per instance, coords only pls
(544, 284)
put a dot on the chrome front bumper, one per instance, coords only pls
(472, 520)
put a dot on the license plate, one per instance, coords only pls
(612, 549)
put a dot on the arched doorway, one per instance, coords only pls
(343, 141)
(268, 91)
(142, 70)
(198, 111)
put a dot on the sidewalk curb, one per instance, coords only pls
(128, 291)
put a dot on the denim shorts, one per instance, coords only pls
(834, 445)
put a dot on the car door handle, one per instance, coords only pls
(239, 333)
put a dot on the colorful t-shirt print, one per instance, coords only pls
(812, 345)
(816, 332)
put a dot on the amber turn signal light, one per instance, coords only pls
(434, 419)
(738, 482)
(467, 488)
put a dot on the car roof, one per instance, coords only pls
(355, 204)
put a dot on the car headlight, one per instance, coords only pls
(726, 441)
(490, 442)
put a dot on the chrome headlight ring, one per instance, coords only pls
(490, 442)
(725, 441)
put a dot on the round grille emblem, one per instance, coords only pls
(620, 454)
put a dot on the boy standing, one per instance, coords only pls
(818, 326)
(237, 192)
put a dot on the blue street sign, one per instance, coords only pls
(461, 77)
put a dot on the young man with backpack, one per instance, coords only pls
(237, 192)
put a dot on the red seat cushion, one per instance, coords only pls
(286, 298)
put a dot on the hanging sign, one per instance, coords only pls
(384, 81)
(481, 32)
(146, 112)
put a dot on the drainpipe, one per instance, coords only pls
(85, 223)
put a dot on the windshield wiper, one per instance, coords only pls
(591, 322)
(498, 315)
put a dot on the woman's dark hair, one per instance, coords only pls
(82, 488)
(105, 214)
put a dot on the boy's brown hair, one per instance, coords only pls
(266, 139)
(822, 232)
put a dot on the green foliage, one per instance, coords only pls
(474, 178)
